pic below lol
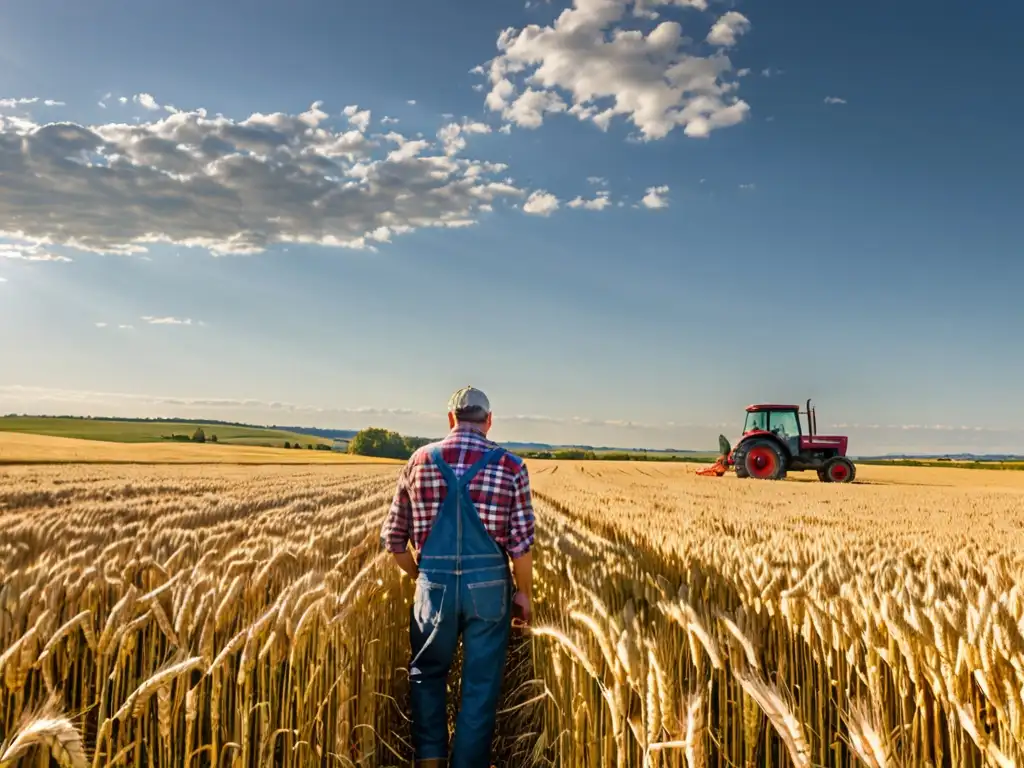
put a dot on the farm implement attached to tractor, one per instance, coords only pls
(774, 443)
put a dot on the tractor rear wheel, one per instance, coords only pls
(761, 460)
(838, 469)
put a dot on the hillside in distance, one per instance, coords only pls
(129, 430)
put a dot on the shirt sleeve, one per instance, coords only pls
(521, 521)
(395, 532)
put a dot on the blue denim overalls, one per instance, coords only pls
(464, 587)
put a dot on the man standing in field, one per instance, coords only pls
(464, 503)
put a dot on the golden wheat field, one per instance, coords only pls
(17, 448)
(245, 616)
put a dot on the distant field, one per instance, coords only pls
(18, 448)
(151, 432)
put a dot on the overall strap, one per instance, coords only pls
(446, 471)
(483, 461)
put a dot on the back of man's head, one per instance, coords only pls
(470, 405)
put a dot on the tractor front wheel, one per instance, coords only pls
(838, 469)
(761, 460)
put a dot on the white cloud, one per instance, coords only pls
(834, 100)
(145, 100)
(411, 102)
(100, 325)
(126, 327)
(587, 56)
(233, 186)
(358, 119)
(541, 203)
(527, 111)
(3, 279)
(747, 186)
(52, 103)
(170, 320)
(598, 203)
(33, 252)
(743, 72)
(453, 135)
(123, 99)
(645, 8)
(12, 103)
(389, 120)
(729, 27)
(655, 197)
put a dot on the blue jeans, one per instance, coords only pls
(476, 606)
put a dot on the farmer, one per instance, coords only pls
(464, 503)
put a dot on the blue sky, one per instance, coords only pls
(808, 200)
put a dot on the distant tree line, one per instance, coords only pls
(385, 444)
(199, 436)
(577, 454)
(309, 446)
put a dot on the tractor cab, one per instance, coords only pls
(782, 421)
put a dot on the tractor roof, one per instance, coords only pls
(771, 407)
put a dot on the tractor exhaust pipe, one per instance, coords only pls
(812, 421)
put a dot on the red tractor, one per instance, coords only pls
(773, 444)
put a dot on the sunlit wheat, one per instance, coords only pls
(188, 616)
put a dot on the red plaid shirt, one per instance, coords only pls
(500, 493)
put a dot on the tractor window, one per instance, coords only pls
(755, 420)
(784, 423)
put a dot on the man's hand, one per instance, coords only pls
(522, 611)
(407, 563)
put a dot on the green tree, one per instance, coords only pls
(287, 444)
(412, 443)
(383, 443)
(199, 436)
(213, 438)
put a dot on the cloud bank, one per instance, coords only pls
(243, 186)
(590, 65)
(236, 186)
